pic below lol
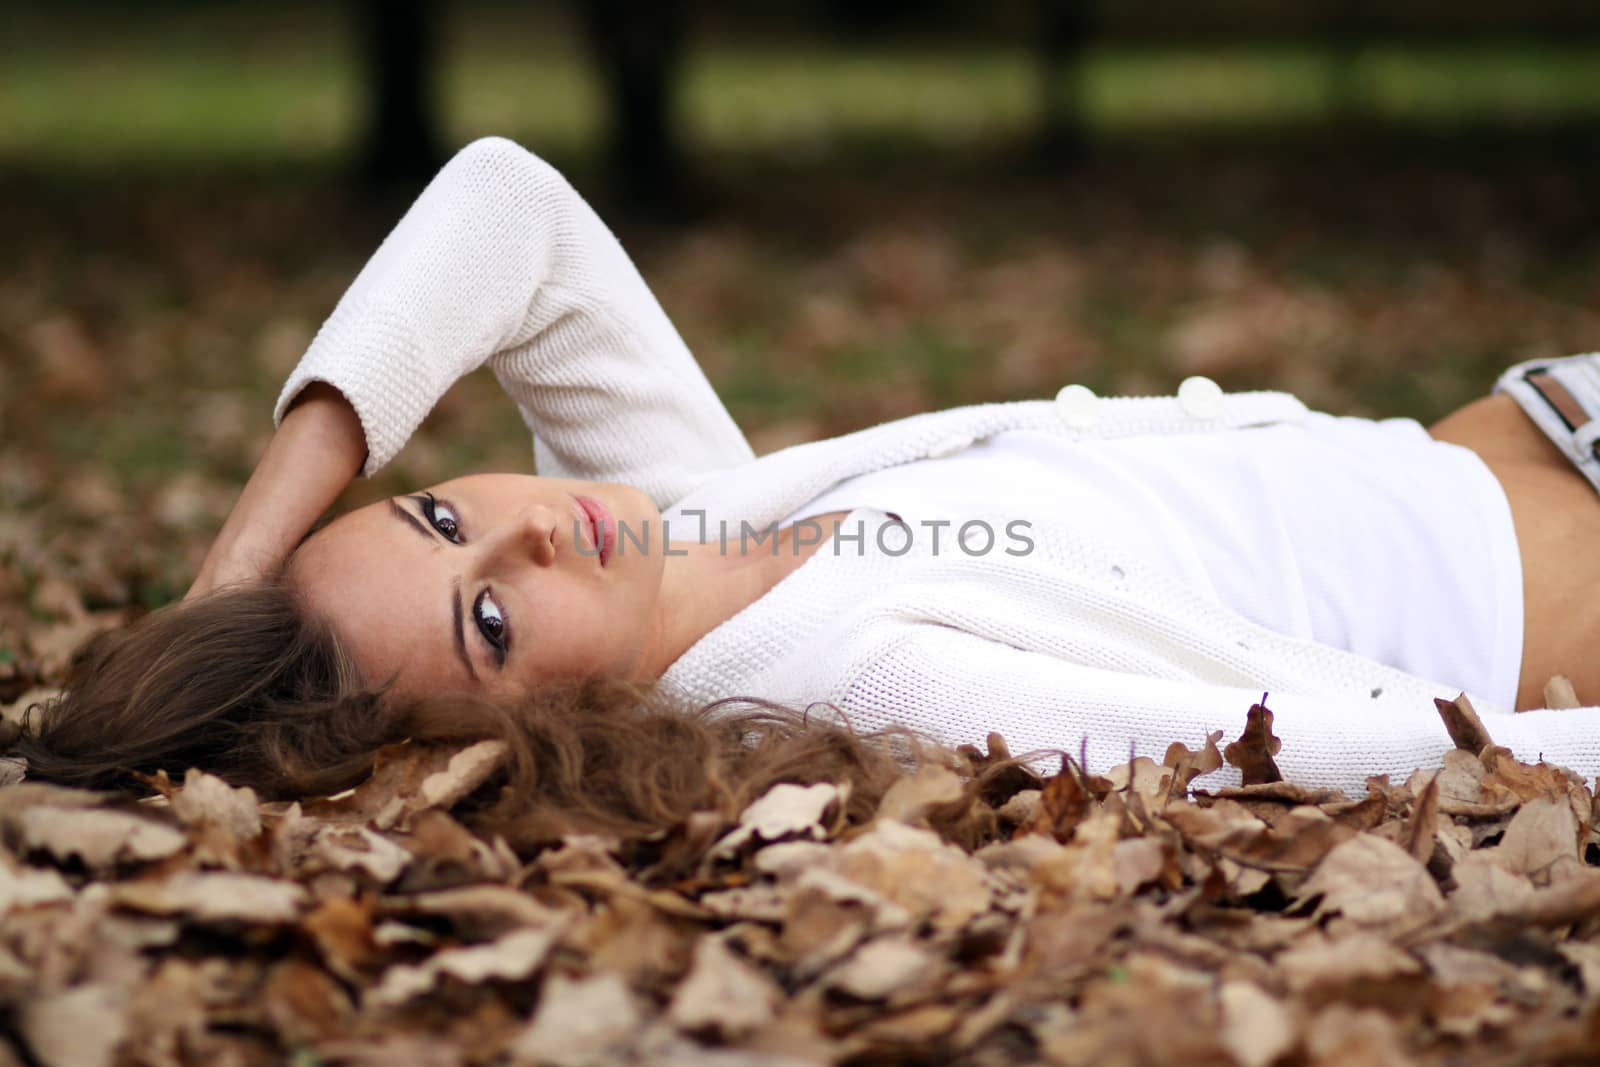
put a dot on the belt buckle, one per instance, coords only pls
(1562, 402)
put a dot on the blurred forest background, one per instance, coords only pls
(853, 210)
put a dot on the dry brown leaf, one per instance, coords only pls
(1297, 840)
(1505, 777)
(1559, 693)
(1423, 826)
(26, 887)
(1276, 792)
(1215, 825)
(1023, 808)
(342, 931)
(80, 1027)
(215, 896)
(998, 778)
(1460, 776)
(1371, 882)
(580, 1021)
(786, 859)
(1329, 964)
(166, 1014)
(1254, 750)
(389, 1049)
(723, 994)
(304, 1004)
(933, 881)
(478, 912)
(1365, 814)
(345, 848)
(1152, 781)
(1188, 764)
(1257, 1030)
(758, 903)
(1466, 1011)
(912, 797)
(1140, 861)
(1574, 899)
(1541, 832)
(1342, 1035)
(206, 798)
(882, 968)
(1066, 798)
(101, 838)
(1018, 854)
(444, 852)
(1484, 888)
(917, 1027)
(785, 810)
(826, 915)
(1086, 868)
(515, 957)
(1462, 722)
(462, 773)
(410, 779)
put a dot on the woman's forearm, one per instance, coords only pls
(501, 262)
(315, 452)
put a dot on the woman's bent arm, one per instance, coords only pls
(316, 451)
(500, 261)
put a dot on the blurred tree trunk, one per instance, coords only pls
(400, 143)
(638, 47)
(1063, 29)
(1346, 28)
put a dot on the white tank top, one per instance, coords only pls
(1364, 534)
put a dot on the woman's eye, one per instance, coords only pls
(491, 621)
(441, 517)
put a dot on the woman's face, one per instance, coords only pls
(491, 584)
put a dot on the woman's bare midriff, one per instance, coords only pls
(1556, 514)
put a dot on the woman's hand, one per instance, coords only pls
(318, 448)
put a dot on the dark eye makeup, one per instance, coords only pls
(441, 516)
(487, 614)
(491, 620)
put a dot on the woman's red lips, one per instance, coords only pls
(602, 526)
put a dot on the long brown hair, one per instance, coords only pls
(246, 684)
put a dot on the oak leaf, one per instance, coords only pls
(1254, 750)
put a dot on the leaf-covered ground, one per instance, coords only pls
(1127, 919)
(145, 324)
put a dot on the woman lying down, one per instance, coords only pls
(1114, 573)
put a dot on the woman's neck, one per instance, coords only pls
(704, 585)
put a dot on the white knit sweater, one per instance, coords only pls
(500, 261)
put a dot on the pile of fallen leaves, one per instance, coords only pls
(1124, 918)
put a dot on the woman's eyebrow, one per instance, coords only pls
(459, 631)
(410, 519)
(460, 628)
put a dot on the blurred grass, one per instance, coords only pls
(255, 83)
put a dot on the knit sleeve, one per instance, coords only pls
(500, 262)
(957, 687)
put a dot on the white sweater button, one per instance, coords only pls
(1200, 397)
(950, 445)
(1076, 405)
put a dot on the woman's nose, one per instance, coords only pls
(531, 535)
